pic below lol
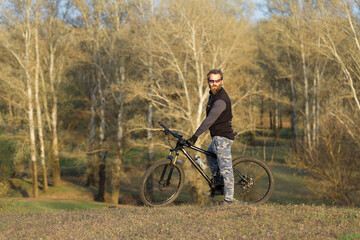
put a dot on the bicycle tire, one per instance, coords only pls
(253, 180)
(153, 192)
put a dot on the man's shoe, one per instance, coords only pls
(234, 201)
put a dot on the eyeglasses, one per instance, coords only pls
(215, 81)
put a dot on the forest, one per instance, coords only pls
(90, 79)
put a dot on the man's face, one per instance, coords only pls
(215, 83)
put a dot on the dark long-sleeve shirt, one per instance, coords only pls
(218, 107)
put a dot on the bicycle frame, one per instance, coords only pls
(180, 147)
(160, 175)
(180, 144)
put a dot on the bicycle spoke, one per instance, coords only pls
(162, 184)
(252, 181)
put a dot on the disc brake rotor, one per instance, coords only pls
(162, 186)
(248, 182)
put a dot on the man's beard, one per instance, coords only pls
(215, 90)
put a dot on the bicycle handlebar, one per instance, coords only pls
(181, 140)
(167, 130)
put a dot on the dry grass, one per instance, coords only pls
(268, 221)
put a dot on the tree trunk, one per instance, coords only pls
(115, 182)
(276, 115)
(38, 111)
(92, 169)
(262, 114)
(46, 109)
(149, 133)
(294, 127)
(55, 145)
(196, 185)
(270, 115)
(314, 108)
(317, 117)
(32, 139)
(120, 136)
(307, 132)
(102, 155)
(280, 117)
(30, 105)
(316, 101)
(102, 177)
(294, 116)
(150, 155)
(149, 115)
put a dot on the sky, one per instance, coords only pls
(260, 8)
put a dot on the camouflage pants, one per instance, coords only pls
(221, 146)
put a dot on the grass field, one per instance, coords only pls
(267, 221)
(17, 206)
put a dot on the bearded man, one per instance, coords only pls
(218, 121)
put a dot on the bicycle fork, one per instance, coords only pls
(168, 178)
(173, 160)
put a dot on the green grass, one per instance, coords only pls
(71, 162)
(348, 236)
(270, 153)
(290, 186)
(20, 206)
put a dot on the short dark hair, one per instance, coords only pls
(215, 71)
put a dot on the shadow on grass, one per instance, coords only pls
(20, 188)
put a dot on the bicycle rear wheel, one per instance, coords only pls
(253, 180)
(161, 183)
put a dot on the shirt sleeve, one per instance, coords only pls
(218, 107)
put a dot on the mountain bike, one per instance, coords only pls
(163, 181)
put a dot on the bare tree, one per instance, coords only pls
(301, 63)
(346, 60)
(56, 44)
(22, 54)
(37, 101)
(105, 40)
(330, 108)
(147, 11)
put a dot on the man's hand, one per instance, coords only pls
(192, 140)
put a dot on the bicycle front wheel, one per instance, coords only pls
(161, 183)
(253, 180)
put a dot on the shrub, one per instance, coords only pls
(333, 164)
(14, 155)
(6, 159)
(247, 137)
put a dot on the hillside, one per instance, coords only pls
(268, 221)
